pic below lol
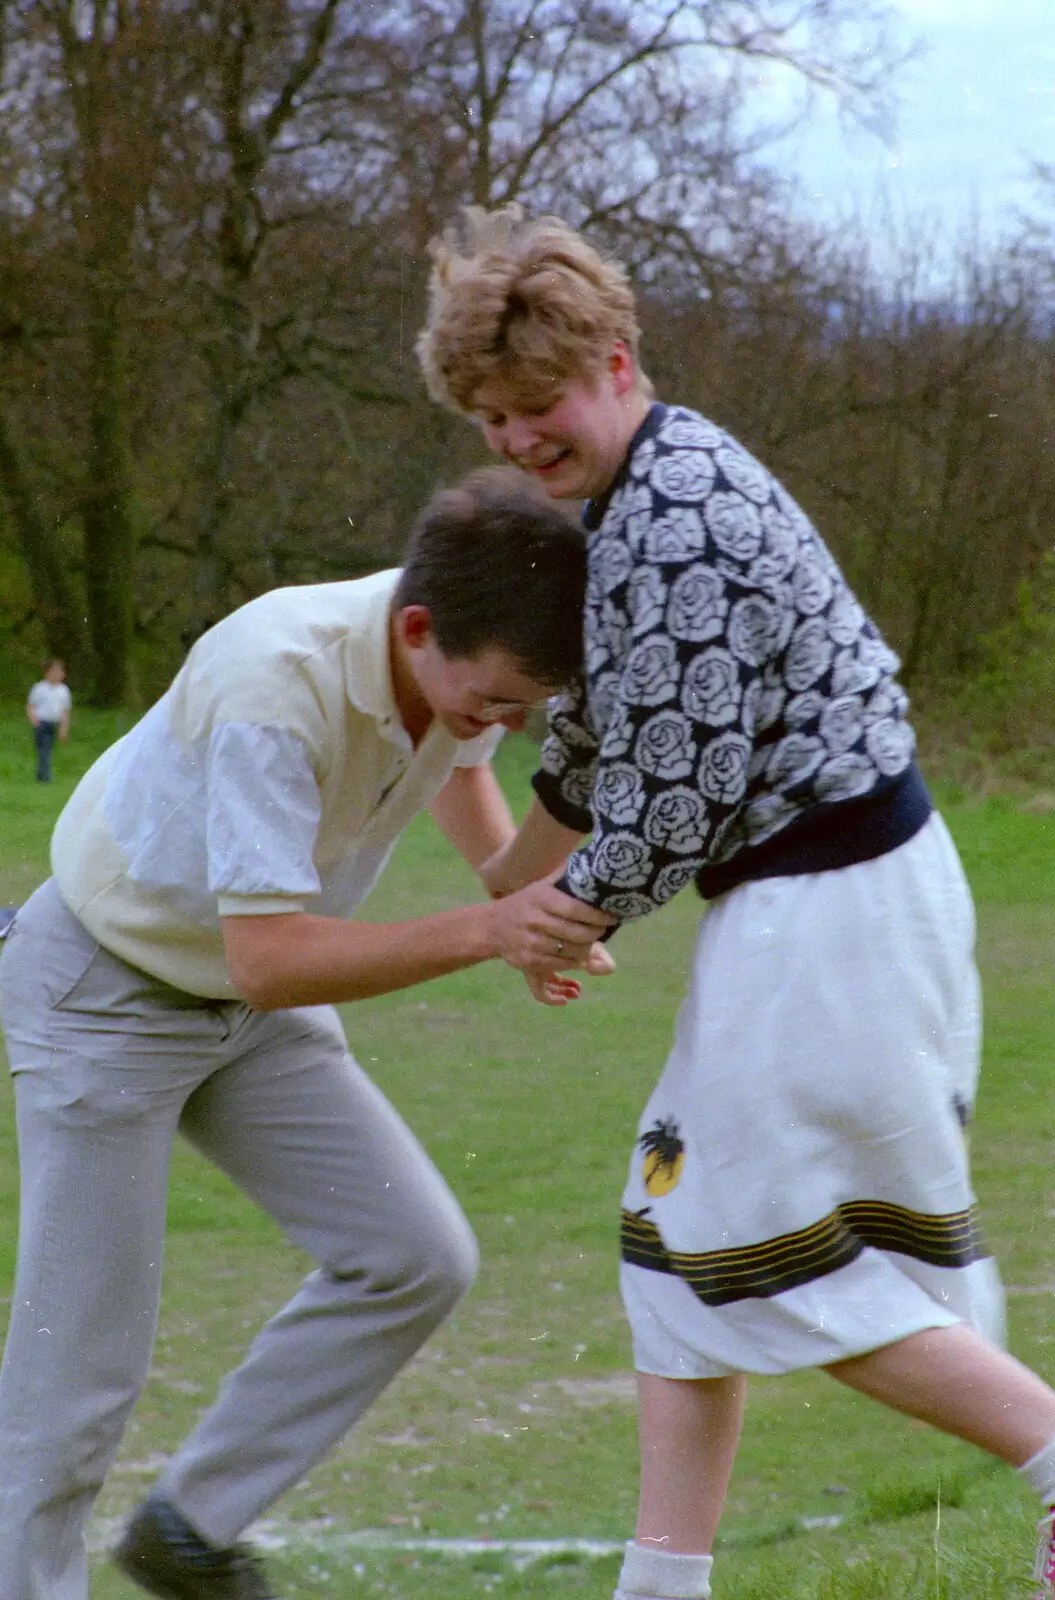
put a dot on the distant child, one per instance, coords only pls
(799, 1193)
(48, 709)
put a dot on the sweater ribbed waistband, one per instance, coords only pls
(829, 836)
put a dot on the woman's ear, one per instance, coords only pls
(621, 368)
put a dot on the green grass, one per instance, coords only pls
(517, 1420)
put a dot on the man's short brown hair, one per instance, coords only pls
(500, 566)
(526, 301)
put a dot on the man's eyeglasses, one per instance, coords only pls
(497, 710)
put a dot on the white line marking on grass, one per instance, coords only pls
(325, 1538)
(288, 1536)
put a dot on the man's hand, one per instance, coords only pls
(541, 930)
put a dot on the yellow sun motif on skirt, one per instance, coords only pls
(664, 1155)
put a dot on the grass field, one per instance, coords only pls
(517, 1423)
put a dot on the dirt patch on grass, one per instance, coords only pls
(618, 1390)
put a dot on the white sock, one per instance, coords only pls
(658, 1575)
(1039, 1473)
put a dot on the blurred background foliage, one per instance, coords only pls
(213, 227)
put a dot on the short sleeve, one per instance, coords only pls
(262, 818)
(477, 752)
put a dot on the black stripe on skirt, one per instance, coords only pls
(759, 1271)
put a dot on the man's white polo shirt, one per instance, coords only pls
(275, 775)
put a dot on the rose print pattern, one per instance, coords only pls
(683, 475)
(619, 794)
(733, 681)
(664, 746)
(624, 860)
(670, 880)
(735, 525)
(648, 599)
(698, 605)
(668, 538)
(754, 629)
(710, 688)
(652, 677)
(723, 768)
(677, 820)
(578, 787)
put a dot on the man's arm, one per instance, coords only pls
(261, 838)
(472, 813)
(299, 959)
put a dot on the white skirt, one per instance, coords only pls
(799, 1190)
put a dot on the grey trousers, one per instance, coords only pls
(108, 1064)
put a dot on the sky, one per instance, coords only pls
(974, 108)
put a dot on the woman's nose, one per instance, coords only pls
(521, 435)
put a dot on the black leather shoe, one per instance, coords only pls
(166, 1556)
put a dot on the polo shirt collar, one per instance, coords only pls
(369, 685)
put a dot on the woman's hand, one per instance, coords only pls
(557, 988)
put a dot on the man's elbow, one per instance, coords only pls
(258, 972)
(255, 984)
(262, 997)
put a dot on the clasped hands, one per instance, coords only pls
(544, 933)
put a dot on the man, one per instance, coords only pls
(799, 1193)
(173, 975)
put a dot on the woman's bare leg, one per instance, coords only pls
(689, 1431)
(959, 1382)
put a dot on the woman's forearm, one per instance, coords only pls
(472, 813)
(540, 848)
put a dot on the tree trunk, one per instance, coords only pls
(58, 606)
(109, 520)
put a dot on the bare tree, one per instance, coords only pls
(225, 205)
(91, 95)
(614, 111)
(909, 421)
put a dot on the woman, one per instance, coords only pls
(799, 1192)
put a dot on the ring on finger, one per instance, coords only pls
(560, 947)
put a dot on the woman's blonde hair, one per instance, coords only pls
(526, 301)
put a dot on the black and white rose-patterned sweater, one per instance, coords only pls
(740, 717)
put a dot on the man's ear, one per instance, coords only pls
(415, 626)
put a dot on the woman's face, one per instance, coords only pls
(573, 445)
